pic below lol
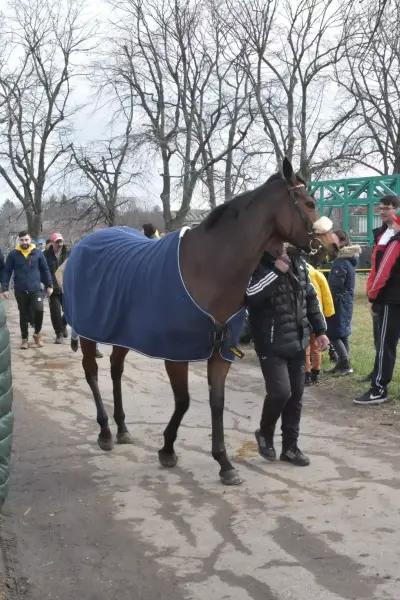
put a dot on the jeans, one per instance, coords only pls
(284, 383)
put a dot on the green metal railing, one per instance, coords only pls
(351, 203)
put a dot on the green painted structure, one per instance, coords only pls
(351, 203)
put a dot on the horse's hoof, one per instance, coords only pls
(230, 477)
(124, 438)
(167, 459)
(105, 443)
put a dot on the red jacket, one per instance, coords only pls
(383, 285)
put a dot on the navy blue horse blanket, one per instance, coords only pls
(124, 289)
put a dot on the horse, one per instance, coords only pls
(216, 260)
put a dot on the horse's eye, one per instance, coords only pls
(310, 204)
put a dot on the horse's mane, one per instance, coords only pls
(233, 206)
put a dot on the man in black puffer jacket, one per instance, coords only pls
(282, 305)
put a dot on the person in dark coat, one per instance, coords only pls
(150, 231)
(30, 270)
(282, 303)
(56, 255)
(342, 280)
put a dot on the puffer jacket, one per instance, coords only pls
(321, 286)
(6, 415)
(283, 308)
(342, 280)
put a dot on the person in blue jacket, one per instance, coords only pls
(342, 279)
(30, 270)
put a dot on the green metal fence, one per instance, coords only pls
(351, 203)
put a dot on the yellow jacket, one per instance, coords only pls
(321, 286)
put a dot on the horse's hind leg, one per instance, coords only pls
(89, 364)
(217, 370)
(117, 360)
(178, 376)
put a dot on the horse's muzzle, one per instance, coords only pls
(322, 225)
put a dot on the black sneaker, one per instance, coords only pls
(371, 397)
(265, 447)
(315, 375)
(295, 457)
(307, 378)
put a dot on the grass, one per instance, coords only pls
(362, 348)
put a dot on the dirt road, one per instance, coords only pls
(82, 524)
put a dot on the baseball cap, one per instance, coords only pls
(56, 236)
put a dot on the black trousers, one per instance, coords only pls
(375, 329)
(284, 383)
(56, 312)
(341, 346)
(30, 307)
(385, 359)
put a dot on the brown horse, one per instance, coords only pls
(217, 259)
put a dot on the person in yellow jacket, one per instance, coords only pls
(313, 353)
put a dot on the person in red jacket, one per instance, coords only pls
(383, 289)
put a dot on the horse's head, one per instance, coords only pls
(297, 219)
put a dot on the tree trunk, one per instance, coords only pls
(34, 222)
(396, 164)
(166, 191)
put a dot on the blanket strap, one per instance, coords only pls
(222, 332)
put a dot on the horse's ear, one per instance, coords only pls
(288, 172)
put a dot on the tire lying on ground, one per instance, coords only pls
(6, 415)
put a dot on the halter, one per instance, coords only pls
(309, 225)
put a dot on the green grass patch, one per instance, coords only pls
(362, 348)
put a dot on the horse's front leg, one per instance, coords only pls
(217, 371)
(89, 364)
(178, 376)
(117, 360)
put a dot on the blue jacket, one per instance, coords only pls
(342, 279)
(29, 272)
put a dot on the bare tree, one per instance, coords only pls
(35, 87)
(372, 79)
(175, 65)
(239, 114)
(294, 48)
(104, 168)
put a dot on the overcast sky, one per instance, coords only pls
(91, 123)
